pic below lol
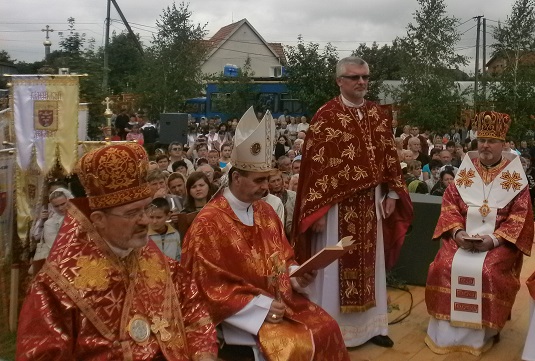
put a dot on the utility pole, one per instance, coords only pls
(107, 40)
(106, 49)
(476, 75)
(484, 82)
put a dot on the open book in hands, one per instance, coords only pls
(324, 257)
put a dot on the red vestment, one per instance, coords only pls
(502, 265)
(232, 263)
(344, 159)
(80, 305)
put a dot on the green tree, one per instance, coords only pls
(428, 95)
(172, 64)
(125, 63)
(6, 58)
(384, 63)
(513, 91)
(236, 94)
(311, 74)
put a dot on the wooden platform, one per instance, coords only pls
(409, 334)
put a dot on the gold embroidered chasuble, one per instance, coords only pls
(88, 304)
(502, 265)
(345, 156)
(232, 263)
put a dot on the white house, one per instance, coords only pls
(234, 43)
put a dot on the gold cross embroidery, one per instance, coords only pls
(159, 325)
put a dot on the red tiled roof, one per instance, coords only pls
(224, 32)
(279, 50)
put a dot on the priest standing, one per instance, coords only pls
(353, 187)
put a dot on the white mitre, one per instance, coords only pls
(253, 142)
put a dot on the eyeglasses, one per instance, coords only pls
(356, 77)
(135, 214)
(488, 140)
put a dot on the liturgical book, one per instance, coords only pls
(324, 257)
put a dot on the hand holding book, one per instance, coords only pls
(324, 257)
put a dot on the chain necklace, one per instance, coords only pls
(484, 210)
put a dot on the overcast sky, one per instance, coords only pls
(344, 23)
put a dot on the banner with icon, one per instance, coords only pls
(7, 196)
(46, 117)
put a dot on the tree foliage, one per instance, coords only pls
(513, 92)
(384, 65)
(311, 74)
(172, 64)
(428, 95)
(125, 61)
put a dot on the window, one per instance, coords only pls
(275, 71)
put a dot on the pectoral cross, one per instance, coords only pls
(159, 325)
(47, 30)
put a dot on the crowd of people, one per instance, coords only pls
(169, 244)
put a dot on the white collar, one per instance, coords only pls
(243, 210)
(349, 103)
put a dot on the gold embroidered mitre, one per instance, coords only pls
(491, 125)
(114, 175)
(253, 142)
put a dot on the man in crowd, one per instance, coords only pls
(176, 153)
(239, 257)
(415, 147)
(351, 185)
(276, 188)
(121, 123)
(284, 164)
(486, 227)
(415, 133)
(296, 166)
(104, 292)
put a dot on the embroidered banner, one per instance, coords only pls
(46, 120)
(7, 193)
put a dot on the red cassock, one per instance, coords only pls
(86, 303)
(347, 153)
(502, 265)
(232, 263)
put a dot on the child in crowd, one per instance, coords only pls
(163, 161)
(162, 233)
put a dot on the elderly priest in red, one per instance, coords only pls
(104, 293)
(238, 254)
(486, 228)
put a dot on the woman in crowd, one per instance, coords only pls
(281, 147)
(446, 178)
(135, 134)
(412, 178)
(58, 199)
(198, 192)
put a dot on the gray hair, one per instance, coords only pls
(341, 65)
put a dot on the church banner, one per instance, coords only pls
(7, 194)
(46, 120)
